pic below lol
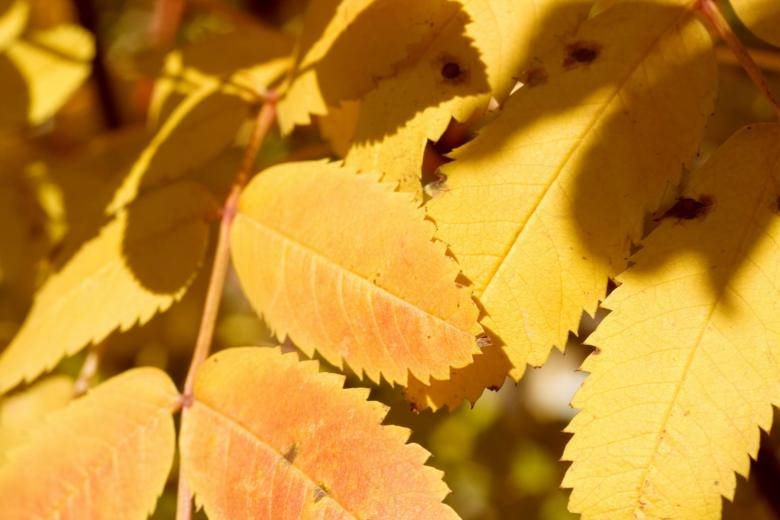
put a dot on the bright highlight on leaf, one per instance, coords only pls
(141, 263)
(762, 17)
(541, 207)
(13, 19)
(384, 300)
(269, 437)
(688, 360)
(106, 455)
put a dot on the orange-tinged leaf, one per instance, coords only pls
(141, 262)
(346, 266)
(762, 18)
(106, 455)
(269, 437)
(688, 363)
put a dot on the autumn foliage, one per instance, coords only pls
(484, 173)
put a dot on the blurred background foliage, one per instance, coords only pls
(500, 457)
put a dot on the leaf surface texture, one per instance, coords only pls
(270, 437)
(687, 364)
(106, 455)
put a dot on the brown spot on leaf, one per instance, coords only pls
(688, 209)
(292, 453)
(450, 70)
(483, 340)
(320, 492)
(535, 76)
(581, 53)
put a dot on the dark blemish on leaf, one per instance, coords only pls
(483, 340)
(686, 413)
(494, 388)
(413, 408)
(716, 482)
(581, 52)
(688, 209)
(292, 453)
(450, 70)
(534, 77)
(320, 492)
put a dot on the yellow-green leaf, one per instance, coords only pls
(762, 17)
(52, 64)
(269, 437)
(687, 364)
(140, 263)
(347, 267)
(106, 455)
(13, 19)
(476, 53)
(540, 209)
(21, 413)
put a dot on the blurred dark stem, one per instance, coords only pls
(88, 18)
(766, 471)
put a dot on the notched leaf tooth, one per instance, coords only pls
(688, 209)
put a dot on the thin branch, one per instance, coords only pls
(766, 59)
(265, 119)
(714, 19)
(165, 21)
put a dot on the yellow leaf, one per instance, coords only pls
(345, 48)
(384, 299)
(269, 437)
(142, 261)
(13, 19)
(204, 124)
(20, 414)
(540, 209)
(52, 64)
(106, 455)
(762, 18)
(688, 360)
(476, 53)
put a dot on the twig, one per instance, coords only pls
(88, 18)
(712, 16)
(263, 123)
(766, 59)
(165, 22)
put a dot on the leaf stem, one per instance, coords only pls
(714, 19)
(265, 119)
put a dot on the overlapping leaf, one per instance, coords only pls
(41, 71)
(477, 53)
(687, 364)
(141, 263)
(541, 207)
(106, 455)
(762, 17)
(347, 267)
(269, 437)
